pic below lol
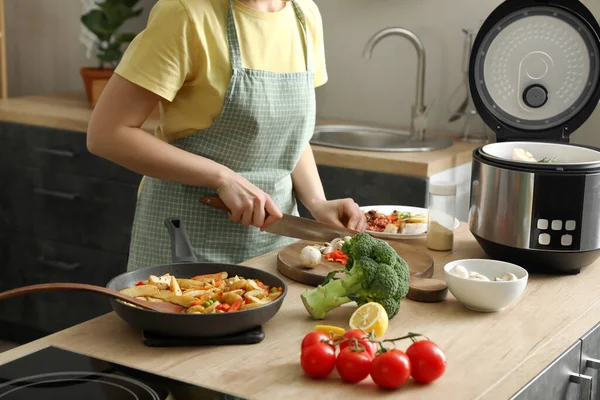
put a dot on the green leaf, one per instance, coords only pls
(97, 22)
(331, 275)
(125, 38)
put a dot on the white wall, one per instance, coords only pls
(43, 50)
(44, 55)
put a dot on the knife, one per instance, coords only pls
(292, 226)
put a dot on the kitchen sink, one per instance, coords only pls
(368, 138)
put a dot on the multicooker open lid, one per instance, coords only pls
(534, 72)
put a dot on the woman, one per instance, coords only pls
(235, 80)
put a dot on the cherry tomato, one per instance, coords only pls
(353, 366)
(318, 360)
(314, 338)
(428, 361)
(391, 369)
(370, 347)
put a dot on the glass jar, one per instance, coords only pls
(440, 224)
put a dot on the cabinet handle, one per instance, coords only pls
(63, 266)
(592, 363)
(53, 152)
(585, 382)
(60, 195)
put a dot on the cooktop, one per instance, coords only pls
(53, 373)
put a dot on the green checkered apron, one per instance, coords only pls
(266, 123)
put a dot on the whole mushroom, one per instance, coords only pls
(310, 257)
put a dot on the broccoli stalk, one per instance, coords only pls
(374, 273)
(321, 300)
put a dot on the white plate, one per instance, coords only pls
(395, 236)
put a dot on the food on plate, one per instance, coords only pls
(462, 272)
(205, 294)
(310, 257)
(374, 273)
(370, 317)
(520, 154)
(428, 361)
(397, 222)
(330, 330)
(361, 355)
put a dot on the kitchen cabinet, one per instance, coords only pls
(561, 380)
(65, 216)
(590, 358)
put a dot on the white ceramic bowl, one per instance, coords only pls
(486, 296)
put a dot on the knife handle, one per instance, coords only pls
(214, 202)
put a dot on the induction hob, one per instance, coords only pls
(53, 373)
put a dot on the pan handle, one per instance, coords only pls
(181, 248)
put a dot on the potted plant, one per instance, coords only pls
(104, 22)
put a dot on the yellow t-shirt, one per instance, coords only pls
(183, 56)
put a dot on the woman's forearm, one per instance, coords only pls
(139, 151)
(306, 180)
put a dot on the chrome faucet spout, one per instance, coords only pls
(419, 108)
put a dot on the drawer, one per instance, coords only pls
(42, 261)
(57, 150)
(68, 208)
(45, 261)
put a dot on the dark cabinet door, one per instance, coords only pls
(370, 188)
(56, 150)
(69, 208)
(46, 261)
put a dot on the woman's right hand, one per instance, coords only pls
(248, 205)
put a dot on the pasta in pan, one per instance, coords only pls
(206, 294)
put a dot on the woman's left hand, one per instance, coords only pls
(342, 212)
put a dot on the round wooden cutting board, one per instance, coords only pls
(421, 269)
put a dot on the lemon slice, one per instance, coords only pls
(370, 317)
(330, 330)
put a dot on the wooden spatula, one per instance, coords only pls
(163, 307)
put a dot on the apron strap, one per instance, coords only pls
(235, 53)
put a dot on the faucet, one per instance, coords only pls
(419, 110)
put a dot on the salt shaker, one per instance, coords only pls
(442, 207)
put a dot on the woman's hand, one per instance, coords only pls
(343, 212)
(248, 205)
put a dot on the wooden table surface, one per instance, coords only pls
(72, 112)
(490, 356)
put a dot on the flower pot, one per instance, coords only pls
(94, 80)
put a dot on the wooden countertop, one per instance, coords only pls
(490, 356)
(72, 112)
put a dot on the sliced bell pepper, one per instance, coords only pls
(337, 256)
(140, 283)
(235, 306)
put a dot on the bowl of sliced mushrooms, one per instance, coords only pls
(485, 285)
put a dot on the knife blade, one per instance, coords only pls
(293, 226)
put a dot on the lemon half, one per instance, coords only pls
(370, 317)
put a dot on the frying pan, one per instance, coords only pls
(186, 265)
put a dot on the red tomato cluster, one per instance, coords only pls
(360, 356)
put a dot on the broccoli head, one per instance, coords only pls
(374, 273)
